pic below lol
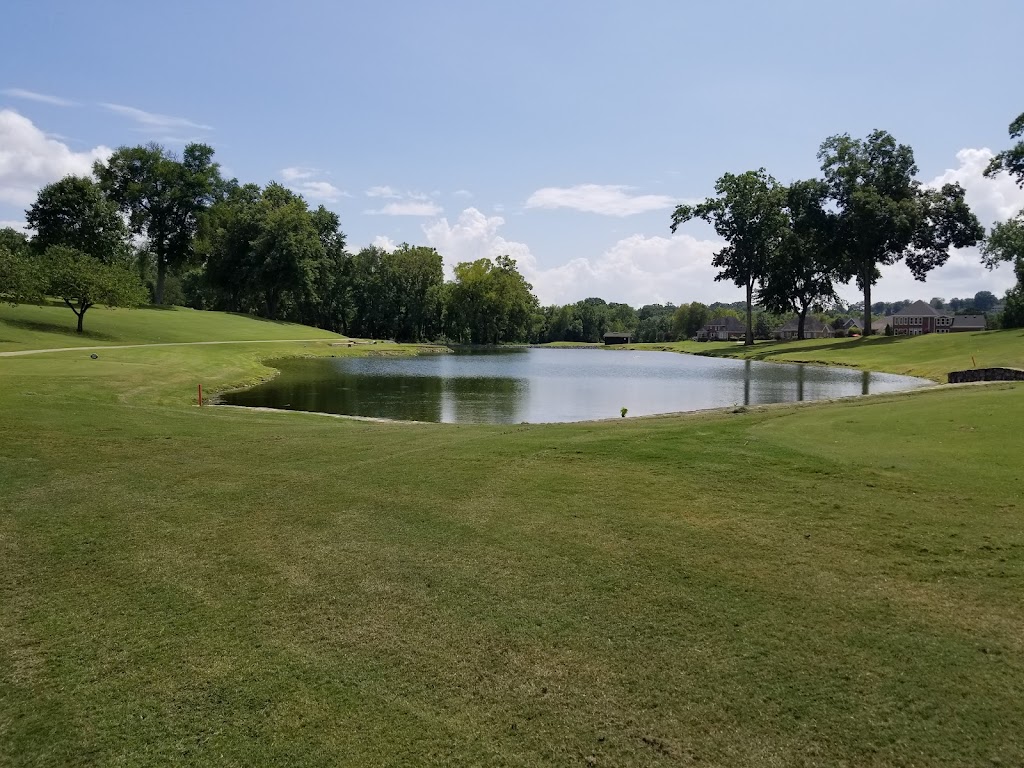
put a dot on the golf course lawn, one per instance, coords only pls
(824, 584)
(931, 356)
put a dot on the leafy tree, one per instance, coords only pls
(226, 236)
(1011, 160)
(83, 281)
(803, 269)
(688, 319)
(417, 272)
(985, 301)
(14, 241)
(748, 214)
(163, 197)
(489, 302)
(938, 302)
(762, 326)
(885, 215)
(20, 280)
(74, 212)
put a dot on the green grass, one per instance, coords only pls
(931, 356)
(833, 584)
(29, 326)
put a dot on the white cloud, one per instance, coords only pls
(297, 173)
(385, 243)
(383, 191)
(992, 200)
(56, 101)
(30, 160)
(637, 269)
(606, 199)
(319, 190)
(463, 193)
(155, 120)
(303, 181)
(409, 208)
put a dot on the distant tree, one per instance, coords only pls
(163, 197)
(803, 269)
(748, 214)
(954, 304)
(762, 326)
(15, 242)
(937, 302)
(985, 300)
(884, 213)
(688, 319)
(20, 280)
(83, 281)
(888, 330)
(489, 302)
(74, 212)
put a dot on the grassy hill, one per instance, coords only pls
(930, 356)
(797, 585)
(29, 326)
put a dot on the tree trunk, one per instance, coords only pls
(867, 307)
(161, 275)
(800, 323)
(81, 317)
(750, 314)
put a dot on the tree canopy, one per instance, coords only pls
(163, 197)
(885, 215)
(74, 212)
(748, 214)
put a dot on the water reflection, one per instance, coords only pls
(541, 385)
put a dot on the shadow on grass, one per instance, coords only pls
(63, 330)
(774, 348)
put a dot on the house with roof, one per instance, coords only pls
(723, 329)
(964, 323)
(878, 326)
(851, 326)
(614, 337)
(920, 318)
(813, 329)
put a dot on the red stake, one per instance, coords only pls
(200, 395)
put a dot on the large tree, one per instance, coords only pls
(82, 281)
(490, 302)
(74, 213)
(163, 197)
(885, 215)
(1006, 240)
(748, 214)
(804, 268)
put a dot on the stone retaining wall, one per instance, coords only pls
(986, 374)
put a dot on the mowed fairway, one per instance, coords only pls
(838, 584)
(931, 356)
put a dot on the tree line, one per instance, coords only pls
(789, 246)
(150, 225)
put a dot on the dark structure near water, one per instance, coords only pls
(986, 374)
(617, 338)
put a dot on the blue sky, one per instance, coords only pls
(559, 132)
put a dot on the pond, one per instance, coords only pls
(547, 385)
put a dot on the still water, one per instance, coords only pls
(547, 385)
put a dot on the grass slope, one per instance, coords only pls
(29, 326)
(930, 356)
(816, 585)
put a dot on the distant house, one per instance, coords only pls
(963, 323)
(920, 318)
(613, 337)
(851, 326)
(878, 326)
(813, 329)
(723, 329)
